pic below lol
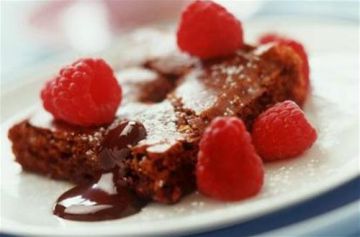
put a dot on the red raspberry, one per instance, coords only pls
(207, 30)
(295, 45)
(228, 167)
(282, 132)
(85, 93)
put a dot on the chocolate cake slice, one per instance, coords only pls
(174, 112)
(55, 149)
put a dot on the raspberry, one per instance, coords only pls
(295, 45)
(207, 30)
(228, 167)
(85, 93)
(282, 132)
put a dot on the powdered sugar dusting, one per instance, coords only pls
(158, 119)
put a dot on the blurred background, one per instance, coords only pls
(33, 32)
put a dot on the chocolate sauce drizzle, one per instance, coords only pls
(104, 199)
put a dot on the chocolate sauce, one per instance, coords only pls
(115, 148)
(103, 199)
(98, 201)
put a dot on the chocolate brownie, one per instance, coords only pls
(161, 167)
(242, 85)
(55, 149)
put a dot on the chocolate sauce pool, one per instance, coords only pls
(103, 199)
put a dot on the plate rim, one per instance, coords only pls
(197, 226)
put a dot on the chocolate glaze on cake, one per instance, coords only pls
(184, 99)
(242, 85)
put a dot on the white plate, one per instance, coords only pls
(27, 199)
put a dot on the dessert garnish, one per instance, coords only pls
(85, 93)
(101, 200)
(105, 199)
(282, 132)
(228, 167)
(115, 146)
(208, 30)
